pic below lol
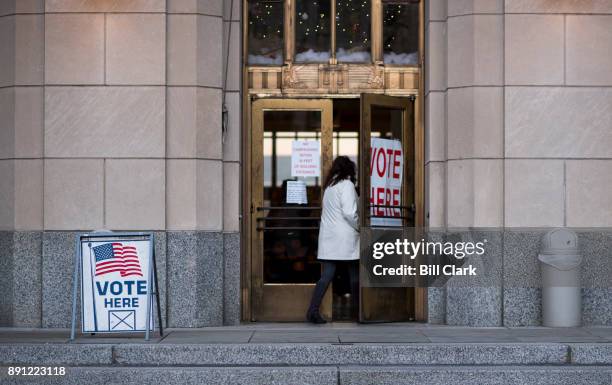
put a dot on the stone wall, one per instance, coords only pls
(110, 118)
(518, 131)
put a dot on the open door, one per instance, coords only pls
(387, 125)
(286, 205)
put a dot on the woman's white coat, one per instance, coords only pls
(339, 230)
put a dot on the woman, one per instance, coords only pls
(338, 233)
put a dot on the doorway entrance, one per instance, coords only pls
(293, 142)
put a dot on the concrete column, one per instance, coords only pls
(557, 143)
(232, 65)
(464, 140)
(435, 111)
(435, 134)
(21, 105)
(104, 132)
(195, 195)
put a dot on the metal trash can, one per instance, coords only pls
(560, 262)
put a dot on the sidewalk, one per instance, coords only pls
(343, 333)
(334, 354)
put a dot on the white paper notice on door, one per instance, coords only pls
(296, 192)
(305, 158)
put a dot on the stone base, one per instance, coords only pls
(522, 306)
(597, 306)
(473, 306)
(436, 305)
(231, 279)
(20, 278)
(198, 274)
(515, 299)
(199, 277)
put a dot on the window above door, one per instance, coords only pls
(326, 47)
(332, 32)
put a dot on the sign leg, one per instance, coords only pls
(93, 282)
(75, 282)
(157, 300)
(149, 289)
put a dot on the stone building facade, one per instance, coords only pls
(519, 134)
(111, 118)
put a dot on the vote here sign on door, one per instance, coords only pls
(386, 169)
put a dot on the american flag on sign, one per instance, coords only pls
(112, 257)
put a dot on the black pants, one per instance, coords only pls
(329, 271)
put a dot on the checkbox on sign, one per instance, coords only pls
(119, 320)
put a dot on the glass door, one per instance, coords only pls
(387, 191)
(291, 152)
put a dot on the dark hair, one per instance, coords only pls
(341, 169)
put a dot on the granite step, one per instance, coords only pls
(313, 363)
(314, 354)
(326, 375)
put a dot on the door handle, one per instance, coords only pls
(263, 208)
(288, 228)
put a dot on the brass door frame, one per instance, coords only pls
(408, 130)
(249, 93)
(412, 136)
(278, 301)
(247, 303)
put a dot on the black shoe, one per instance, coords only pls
(315, 318)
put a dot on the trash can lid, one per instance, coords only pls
(560, 241)
(561, 261)
(560, 249)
